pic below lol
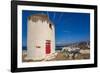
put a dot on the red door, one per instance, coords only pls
(48, 46)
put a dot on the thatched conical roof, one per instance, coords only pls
(36, 17)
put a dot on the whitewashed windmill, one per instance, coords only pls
(40, 37)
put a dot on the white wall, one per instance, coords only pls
(34, 39)
(5, 37)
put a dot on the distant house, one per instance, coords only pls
(40, 37)
(71, 50)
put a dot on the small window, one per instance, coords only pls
(38, 47)
(50, 26)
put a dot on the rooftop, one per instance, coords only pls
(36, 17)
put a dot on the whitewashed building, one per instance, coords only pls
(40, 37)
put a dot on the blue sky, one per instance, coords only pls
(69, 27)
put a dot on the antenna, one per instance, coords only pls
(60, 16)
(48, 14)
(54, 15)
